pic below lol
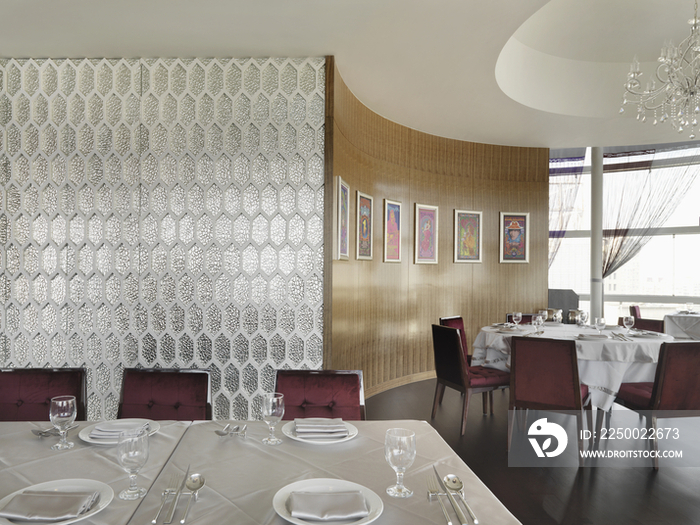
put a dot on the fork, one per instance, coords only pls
(434, 491)
(172, 488)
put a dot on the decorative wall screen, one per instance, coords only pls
(163, 213)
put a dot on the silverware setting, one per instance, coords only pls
(228, 431)
(620, 336)
(450, 492)
(433, 492)
(172, 489)
(173, 506)
(51, 432)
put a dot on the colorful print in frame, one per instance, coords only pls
(343, 220)
(467, 236)
(426, 235)
(515, 237)
(365, 210)
(392, 231)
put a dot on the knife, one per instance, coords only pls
(173, 505)
(458, 510)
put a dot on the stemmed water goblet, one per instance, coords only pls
(399, 451)
(628, 322)
(272, 411)
(544, 314)
(62, 414)
(600, 324)
(516, 317)
(132, 454)
(538, 323)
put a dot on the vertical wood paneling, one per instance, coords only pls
(382, 312)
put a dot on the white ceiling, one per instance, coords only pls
(440, 66)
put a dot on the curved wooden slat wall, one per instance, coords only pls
(379, 314)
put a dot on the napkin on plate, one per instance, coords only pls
(320, 428)
(327, 506)
(37, 505)
(112, 429)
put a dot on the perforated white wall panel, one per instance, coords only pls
(163, 213)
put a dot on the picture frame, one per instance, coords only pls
(342, 219)
(467, 237)
(392, 231)
(514, 237)
(426, 234)
(365, 231)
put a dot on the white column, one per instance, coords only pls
(596, 233)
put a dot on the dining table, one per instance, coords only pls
(605, 359)
(683, 325)
(246, 481)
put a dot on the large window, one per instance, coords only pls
(663, 275)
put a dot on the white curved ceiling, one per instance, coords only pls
(440, 66)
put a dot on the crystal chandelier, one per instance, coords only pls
(674, 93)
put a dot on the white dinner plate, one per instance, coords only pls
(648, 335)
(84, 434)
(288, 430)
(68, 485)
(279, 502)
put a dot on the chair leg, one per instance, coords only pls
(485, 402)
(511, 421)
(465, 410)
(600, 414)
(579, 427)
(655, 443)
(491, 401)
(589, 423)
(439, 391)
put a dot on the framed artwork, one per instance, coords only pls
(515, 237)
(342, 219)
(365, 210)
(392, 231)
(426, 234)
(467, 236)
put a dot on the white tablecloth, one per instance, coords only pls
(243, 475)
(26, 459)
(683, 326)
(603, 365)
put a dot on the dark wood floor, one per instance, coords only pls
(547, 496)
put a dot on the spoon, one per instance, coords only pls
(225, 431)
(194, 483)
(455, 484)
(51, 431)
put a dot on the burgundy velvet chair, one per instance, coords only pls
(457, 322)
(635, 312)
(544, 376)
(25, 393)
(322, 393)
(675, 388)
(527, 318)
(158, 393)
(452, 370)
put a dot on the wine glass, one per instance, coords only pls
(132, 453)
(62, 414)
(600, 324)
(628, 322)
(538, 323)
(689, 308)
(517, 317)
(272, 411)
(399, 451)
(544, 314)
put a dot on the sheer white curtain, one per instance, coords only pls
(641, 191)
(564, 183)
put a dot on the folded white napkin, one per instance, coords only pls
(112, 429)
(39, 505)
(320, 428)
(327, 506)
